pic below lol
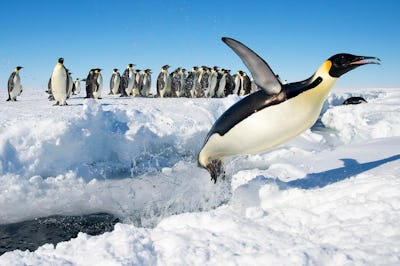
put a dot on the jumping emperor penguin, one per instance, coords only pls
(274, 114)
(59, 83)
(14, 85)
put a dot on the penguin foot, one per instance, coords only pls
(216, 169)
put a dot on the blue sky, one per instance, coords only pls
(294, 37)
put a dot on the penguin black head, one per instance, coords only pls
(343, 63)
(61, 60)
(19, 67)
(115, 69)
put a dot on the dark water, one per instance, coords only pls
(53, 229)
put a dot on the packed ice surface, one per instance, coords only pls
(330, 196)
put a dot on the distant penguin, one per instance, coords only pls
(245, 83)
(146, 83)
(222, 85)
(136, 83)
(70, 84)
(177, 89)
(77, 86)
(131, 79)
(190, 82)
(230, 84)
(115, 82)
(14, 84)
(98, 78)
(90, 84)
(125, 80)
(163, 82)
(60, 83)
(237, 81)
(185, 91)
(276, 113)
(213, 82)
(354, 100)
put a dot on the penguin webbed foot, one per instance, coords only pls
(216, 170)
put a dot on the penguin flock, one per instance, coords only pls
(199, 82)
(203, 82)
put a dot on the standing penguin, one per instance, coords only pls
(222, 85)
(245, 82)
(146, 83)
(90, 84)
(238, 82)
(125, 80)
(70, 84)
(190, 82)
(14, 84)
(136, 83)
(77, 86)
(213, 82)
(131, 79)
(115, 81)
(98, 78)
(163, 82)
(60, 83)
(276, 113)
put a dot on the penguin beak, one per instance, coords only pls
(364, 60)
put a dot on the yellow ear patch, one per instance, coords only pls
(327, 65)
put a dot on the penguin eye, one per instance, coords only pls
(341, 60)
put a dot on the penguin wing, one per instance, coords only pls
(11, 82)
(263, 76)
(67, 81)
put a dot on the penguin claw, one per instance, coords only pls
(216, 170)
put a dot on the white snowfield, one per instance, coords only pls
(329, 197)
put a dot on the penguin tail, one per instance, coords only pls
(216, 170)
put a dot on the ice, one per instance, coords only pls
(328, 197)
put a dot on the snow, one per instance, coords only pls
(328, 197)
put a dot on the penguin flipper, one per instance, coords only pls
(10, 83)
(263, 76)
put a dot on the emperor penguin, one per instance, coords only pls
(245, 82)
(70, 84)
(60, 83)
(136, 83)
(98, 79)
(126, 81)
(163, 82)
(237, 81)
(274, 114)
(146, 83)
(77, 83)
(222, 85)
(14, 84)
(213, 82)
(115, 82)
(190, 81)
(90, 84)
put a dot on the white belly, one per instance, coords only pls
(17, 87)
(59, 84)
(116, 82)
(267, 128)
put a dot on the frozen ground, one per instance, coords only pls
(329, 197)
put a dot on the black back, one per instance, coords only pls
(257, 101)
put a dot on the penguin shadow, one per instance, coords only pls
(350, 168)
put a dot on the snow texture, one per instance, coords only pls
(328, 197)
